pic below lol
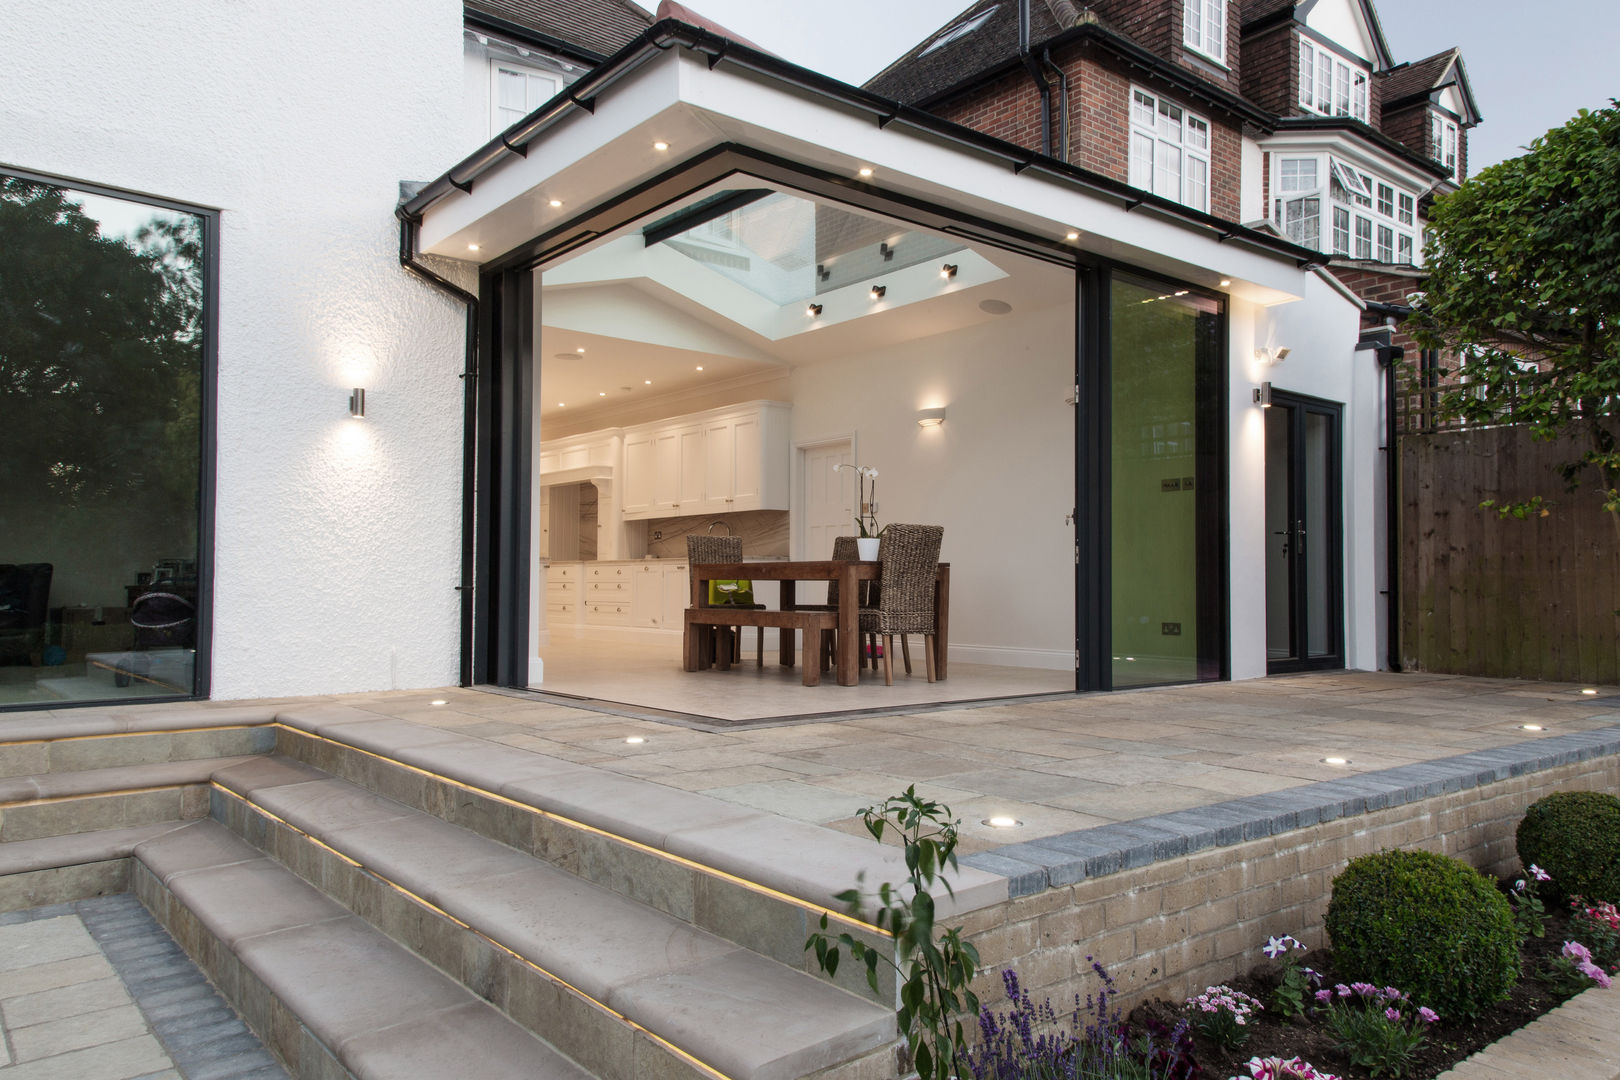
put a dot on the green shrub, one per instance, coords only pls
(1575, 837)
(1426, 924)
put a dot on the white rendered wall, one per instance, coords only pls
(337, 540)
(998, 474)
(1320, 333)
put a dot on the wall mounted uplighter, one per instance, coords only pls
(813, 310)
(930, 417)
(948, 271)
(879, 291)
(1262, 395)
(357, 401)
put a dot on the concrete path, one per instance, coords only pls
(1579, 1040)
(96, 990)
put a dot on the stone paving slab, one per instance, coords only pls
(1579, 1040)
(96, 990)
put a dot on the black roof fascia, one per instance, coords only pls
(672, 33)
(1370, 134)
(517, 32)
(1127, 50)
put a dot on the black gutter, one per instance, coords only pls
(469, 434)
(483, 21)
(1037, 76)
(1063, 104)
(1129, 51)
(1388, 356)
(1367, 132)
(671, 33)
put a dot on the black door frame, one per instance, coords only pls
(1298, 495)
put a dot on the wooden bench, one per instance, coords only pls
(815, 624)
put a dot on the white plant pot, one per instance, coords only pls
(868, 548)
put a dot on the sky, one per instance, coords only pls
(1530, 71)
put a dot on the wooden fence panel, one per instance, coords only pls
(1536, 599)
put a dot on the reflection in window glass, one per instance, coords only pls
(101, 371)
(1161, 347)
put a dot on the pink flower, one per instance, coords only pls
(1595, 973)
(1574, 950)
(1428, 1015)
(1392, 1014)
(1324, 996)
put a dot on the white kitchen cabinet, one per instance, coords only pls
(724, 460)
(637, 482)
(677, 586)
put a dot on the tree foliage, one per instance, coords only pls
(1523, 283)
(100, 358)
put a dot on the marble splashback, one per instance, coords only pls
(588, 500)
(763, 532)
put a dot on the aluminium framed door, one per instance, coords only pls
(1304, 534)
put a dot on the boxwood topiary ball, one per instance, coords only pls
(1426, 924)
(1575, 837)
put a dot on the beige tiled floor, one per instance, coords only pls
(645, 670)
(1056, 765)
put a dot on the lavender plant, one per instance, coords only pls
(1378, 1028)
(1027, 1042)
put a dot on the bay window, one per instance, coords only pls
(1169, 150)
(1329, 85)
(1364, 218)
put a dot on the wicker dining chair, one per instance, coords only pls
(905, 604)
(724, 549)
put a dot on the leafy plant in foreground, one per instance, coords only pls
(1295, 980)
(1376, 1027)
(1221, 1014)
(1529, 913)
(935, 967)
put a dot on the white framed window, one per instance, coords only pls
(1443, 141)
(1169, 150)
(1365, 218)
(516, 91)
(1330, 85)
(1203, 27)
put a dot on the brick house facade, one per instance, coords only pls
(1344, 164)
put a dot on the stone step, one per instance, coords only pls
(90, 800)
(59, 869)
(757, 879)
(84, 739)
(332, 995)
(627, 990)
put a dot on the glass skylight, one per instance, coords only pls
(788, 249)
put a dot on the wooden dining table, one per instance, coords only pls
(848, 575)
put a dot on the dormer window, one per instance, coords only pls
(1203, 27)
(516, 91)
(1443, 142)
(1330, 85)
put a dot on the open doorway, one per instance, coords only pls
(702, 372)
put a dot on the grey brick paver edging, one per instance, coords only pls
(1054, 861)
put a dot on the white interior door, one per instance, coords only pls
(827, 508)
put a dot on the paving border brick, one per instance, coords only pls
(1055, 861)
(198, 1029)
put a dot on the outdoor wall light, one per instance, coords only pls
(813, 310)
(1002, 822)
(879, 291)
(947, 271)
(357, 402)
(1270, 356)
(930, 417)
(1262, 395)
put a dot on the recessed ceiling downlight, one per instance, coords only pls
(995, 307)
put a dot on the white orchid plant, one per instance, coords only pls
(866, 509)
